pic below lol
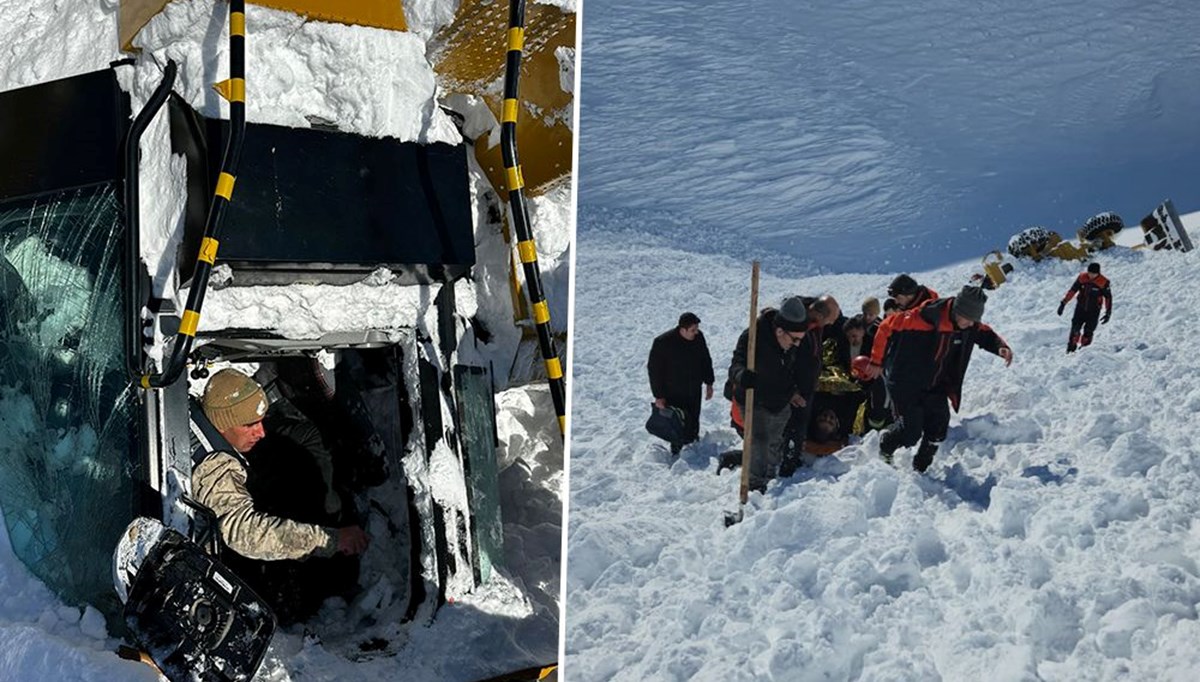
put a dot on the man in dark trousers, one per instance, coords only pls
(1093, 291)
(774, 381)
(679, 363)
(924, 354)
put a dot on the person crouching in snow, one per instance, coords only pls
(923, 355)
(1093, 290)
(774, 381)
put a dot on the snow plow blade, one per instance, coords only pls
(385, 14)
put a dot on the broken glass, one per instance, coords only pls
(67, 412)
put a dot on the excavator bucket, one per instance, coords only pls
(388, 14)
(472, 61)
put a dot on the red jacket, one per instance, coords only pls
(922, 349)
(1093, 291)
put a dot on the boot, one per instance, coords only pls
(1085, 341)
(887, 445)
(924, 456)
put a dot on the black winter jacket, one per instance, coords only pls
(775, 367)
(922, 349)
(678, 367)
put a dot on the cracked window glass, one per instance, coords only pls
(67, 445)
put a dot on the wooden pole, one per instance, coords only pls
(748, 421)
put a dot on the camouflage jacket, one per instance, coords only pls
(219, 483)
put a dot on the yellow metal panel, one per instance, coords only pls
(472, 60)
(387, 14)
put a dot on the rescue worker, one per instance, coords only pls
(246, 499)
(1093, 292)
(774, 381)
(923, 355)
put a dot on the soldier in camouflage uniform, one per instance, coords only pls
(247, 502)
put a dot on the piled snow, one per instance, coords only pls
(1053, 538)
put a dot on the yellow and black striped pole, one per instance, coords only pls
(526, 249)
(233, 90)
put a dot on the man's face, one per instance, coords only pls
(904, 300)
(689, 333)
(962, 322)
(856, 336)
(243, 437)
(787, 339)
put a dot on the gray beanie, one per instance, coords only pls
(969, 303)
(792, 315)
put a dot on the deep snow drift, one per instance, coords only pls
(922, 132)
(1053, 537)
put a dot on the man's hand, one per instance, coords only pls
(708, 392)
(352, 540)
(749, 379)
(798, 400)
(660, 403)
(1061, 306)
(1007, 355)
(1104, 320)
(872, 372)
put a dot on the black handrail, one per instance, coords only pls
(526, 248)
(233, 90)
(134, 296)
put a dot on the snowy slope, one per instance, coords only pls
(929, 131)
(1053, 538)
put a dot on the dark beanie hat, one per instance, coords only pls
(903, 285)
(1094, 268)
(969, 303)
(688, 319)
(792, 315)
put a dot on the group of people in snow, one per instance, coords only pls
(818, 376)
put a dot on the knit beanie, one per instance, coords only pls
(233, 399)
(792, 315)
(1094, 268)
(969, 303)
(903, 285)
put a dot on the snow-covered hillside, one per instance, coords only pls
(1053, 538)
(921, 132)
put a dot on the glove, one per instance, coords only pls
(749, 378)
(1060, 307)
(1104, 320)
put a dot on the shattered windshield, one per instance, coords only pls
(67, 449)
